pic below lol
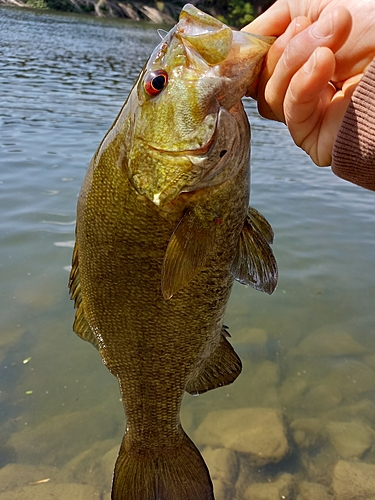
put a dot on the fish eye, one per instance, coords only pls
(155, 82)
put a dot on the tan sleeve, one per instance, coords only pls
(353, 157)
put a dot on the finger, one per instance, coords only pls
(314, 110)
(298, 25)
(331, 30)
(276, 51)
(307, 99)
(332, 119)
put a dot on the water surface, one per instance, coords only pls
(308, 350)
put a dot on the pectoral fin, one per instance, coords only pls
(221, 368)
(261, 223)
(80, 326)
(191, 242)
(254, 263)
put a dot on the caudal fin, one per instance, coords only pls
(172, 473)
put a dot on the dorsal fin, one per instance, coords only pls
(80, 326)
(254, 263)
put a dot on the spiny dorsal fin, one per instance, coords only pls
(80, 326)
(221, 368)
(254, 263)
(191, 242)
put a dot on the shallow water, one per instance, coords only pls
(308, 350)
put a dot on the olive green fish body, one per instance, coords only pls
(162, 230)
(142, 337)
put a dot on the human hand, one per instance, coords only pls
(314, 66)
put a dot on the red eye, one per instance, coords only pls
(155, 82)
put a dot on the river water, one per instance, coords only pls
(308, 350)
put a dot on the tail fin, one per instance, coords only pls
(172, 473)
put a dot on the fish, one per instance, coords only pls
(163, 229)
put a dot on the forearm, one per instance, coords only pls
(353, 157)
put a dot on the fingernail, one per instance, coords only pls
(323, 28)
(310, 64)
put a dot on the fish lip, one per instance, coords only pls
(182, 152)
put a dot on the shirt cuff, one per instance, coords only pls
(353, 156)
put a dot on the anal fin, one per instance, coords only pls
(221, 368)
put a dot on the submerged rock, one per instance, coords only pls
(307, 432)
(328, 341)
(259, 387)
(364, 409)
(251, 342)
(312, 491)
(87, 466)
(14, 475)
(258, 432)
(292, 390)
(61, 437)
(8, 338)
(56, 491)
(318, 465)
(263, 385)
(350, 439)
(222, 463)
(322, 397)
(281, 488)
(252, 336)
(352, 378)
(353, 481)
(107, 462)
(222, 489)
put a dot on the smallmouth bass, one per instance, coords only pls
(163, 229)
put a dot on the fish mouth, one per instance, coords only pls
(183, 152)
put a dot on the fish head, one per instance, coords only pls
(183, 131)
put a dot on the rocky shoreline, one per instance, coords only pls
(161, 13)
(236, 13)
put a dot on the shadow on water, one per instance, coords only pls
(299, 423)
